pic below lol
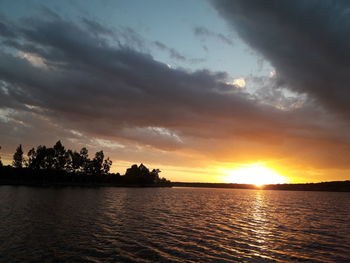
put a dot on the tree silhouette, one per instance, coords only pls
(155, 175)
(74, 161)
(57, 165)
(60, 156)
(31, 158)
(18, 159)
(106, 166)
(85, 161)
(41, 158)
(0, 160)
(46, 157)
(141, 175)
(133, 171)
(97, 162)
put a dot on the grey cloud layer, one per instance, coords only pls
(92, 82)
(89, 78)
(204, 32)
(306, 41)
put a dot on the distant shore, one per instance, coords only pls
(335, 186)
(80, 185)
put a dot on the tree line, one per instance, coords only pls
(60, 165)
(58, 158)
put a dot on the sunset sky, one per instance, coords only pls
(199, 89)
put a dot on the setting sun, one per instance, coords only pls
(258, 174)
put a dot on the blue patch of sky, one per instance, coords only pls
(167, 21)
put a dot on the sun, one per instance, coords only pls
(258, 174)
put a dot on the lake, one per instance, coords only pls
(172, 225)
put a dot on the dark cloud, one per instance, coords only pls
(86, 79)
(95, 27)
(5, 31)
(173, 53)
(306, 41)
(204, 32)
(83, 78)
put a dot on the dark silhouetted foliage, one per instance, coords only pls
(0, 160)
(106, 166)
(141, 174)
(58, 166)
(60, 156)
(18, 159)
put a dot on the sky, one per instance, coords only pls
(199, 89)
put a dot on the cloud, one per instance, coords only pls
(90, 79)
(173, 53)
(5, 31)
(204, 33)
(97, 89)
(239, 82)
(33, 59)
(96, 28)
(306, 41)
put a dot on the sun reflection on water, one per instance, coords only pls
(260, 223)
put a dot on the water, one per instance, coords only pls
(172, 225)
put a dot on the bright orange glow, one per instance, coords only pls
(258, 174)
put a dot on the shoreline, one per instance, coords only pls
(334, 186)
(79, 184)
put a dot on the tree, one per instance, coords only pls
(73, 161)
(31, 158)
(155, 172)
(97, 162)
(60, 156)
(49, 158)
(18, 157)
(155, 175)
(143, 170)
(0, 159)
(57, 163)
(106, 166)
(41, 158)
(139, 175)
(84, 159)
(133, 171)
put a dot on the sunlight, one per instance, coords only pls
(257, 173)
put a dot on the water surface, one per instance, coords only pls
(172, 225)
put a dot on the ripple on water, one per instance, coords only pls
(172, 225)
